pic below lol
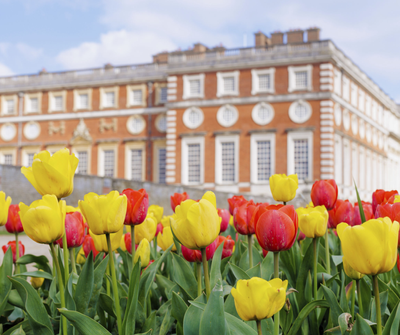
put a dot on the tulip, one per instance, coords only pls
(333, 218)
(13, 246)
(145, 230)
(350, 272)
(75, 230)
(398, 262)
(355, 276)
(138, 204)
(195, 255)
(127, 242)
(165, 239)
(81, 259)
(229, 245)
(301, 236)
(177, 198)
(324, 193)
(4, 206)
(14, 225)
(157, 211)
(350, 213)
(283, 188)
(166, 221)
(382, 197)
(52, 174)
(151, 262)
(313, 221)
(37, 282)
(265, 252)
(88, 246)
(100, 241)
(160, 228)
(236, 201)
(122, 245)
(389, 210)
(225, 217)
(143, 252)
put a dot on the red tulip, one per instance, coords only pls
(390, 210)
(229, 244)
(13, 246)
(236, 201)
(349, 213)
(324, 193)
(151, 262)
(225, 217)
(381, 197)
(301, 236)
(195, 255)
(333, 219)
(14, 225)
(265, 253)
(128, 243)
(88, 246)
(398, 262)
(276, 228)
(138, 203)
(242, 218)
(159, 229)
(177, 198)
(74, 229)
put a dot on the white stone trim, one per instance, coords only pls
(255, 87)
(115, 90)
(326, 116)
(326, 66)
(170, 179)
(28, 150)
(171, 112)
(77, 92)
(326, 87)
(324, 80)
(51, 97)
(327, 176)
(326, 103)
(292, 109)
(171, 78)
(172, 84)
(186, 117)
(186, 86)
(27, 97)
(326, 130)
(254, 155)
(8, 151)
(184, 159)
(218, 158)
(8, 131)
(325, 74)
(171, 97)
(326, 135)
(3, 107)
(292, 77)
(220, 116)
(255, 116)
(129, 100)
(220, 83)
(327, 123)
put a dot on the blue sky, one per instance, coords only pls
(72, 34)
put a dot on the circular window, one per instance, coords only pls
(338, 115)
(361, 126)
(135, 124)
(31, 130)
(262, 113)
(300, 111)
(193, 117)
(8, 132)
(354, 124)
(368, 134)
(227, 116)
(161, 123)
(346, 119)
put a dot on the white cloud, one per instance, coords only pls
(27, 51)
(5, 71)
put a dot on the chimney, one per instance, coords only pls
(161, 57)
(108, 66)
(276, 38)
(198, 47)
(261, 40)
(313, 34)
(295, 36)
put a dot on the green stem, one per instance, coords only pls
(114, 283)
(250, 249)
(327, 256)
(259, 327)
(63, 320)
(276, 275)
(66, 263)
(378, 305)
(17, 253)
(205, 268)
(107, 281)
(133, 244)
(353, 297)
(73, 263)
(199, 288)
(360, 305)
(315, 245)
(155, 247)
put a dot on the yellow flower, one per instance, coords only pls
(196, 224)
(4, 205)
(165, 239)
(143, 252)
(147, 229)
(210, 196)
(44, 219)
(396, 199)
(100, 241)
(81, 259)
(37, 282)
(157, 211)
(283, 188)
(122, 245)
(104, 213)
(52, 174)
(257, 299)
(166, 221)
(350, 272)
(313, 221)
(370, 248)
(231, 222)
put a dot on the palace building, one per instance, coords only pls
(215, 118)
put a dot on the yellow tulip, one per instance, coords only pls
(147, 229)
(313, 221)
(81, 259)
(165, 239)
(44, 219)
(370, 248)
(196, 224)
(231, 222)
(283, 188)
(350, 272)
(122, 245)
(52, 174)
(210, 196)
(100, 241)
(4, 206)
(257, 299)
(143, 252)
(166, 221)
(104, 213)
(37, 282)
(396, 199)
(157, 211)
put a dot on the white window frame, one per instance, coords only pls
(52, 96)
(346, 88)
(218, 158)
(361, 167)
(347, 158)
(299, 135)
(361, 100)
(100, 162)
(368, 106)
(77, 148)
(220, 83)
(354, 163)
(292, 110)
(338, 156)
(129, 100)
(104, 91)
(185, 168)
(9, 151)
(292, 77)
(337, 82)
(4, 99)
(128, 158)
(76, 99)
(354, 94)
(157, 145)
(27, 98)
(254, 155)
(186, 86)
(255, 84)
(28, 150)
(158, 87)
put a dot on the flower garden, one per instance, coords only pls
(119, 266)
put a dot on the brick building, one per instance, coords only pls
(215, 118)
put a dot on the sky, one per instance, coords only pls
(75, 34)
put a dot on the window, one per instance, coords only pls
(135, 156)
(10, 106)
(368, 105)
(299, 158)
(193, 117)
(163, 94)
(160, 161)
(194, 163)
(228, 161)
(368, 167)
(136, 97)
(354, 94)
(354, 163)
(226, 157)
(161, 123)
(227, 116)
(83, 101)
(109, 99)
(136, 164)
(262, 157)
(300, 111)
(58, 103)
(193, 86)
(346, 88)
(32, 102)
(162, 154)
(338, 159)
(8, 131)
(300, 78)
(8, 159)
(362, 167)
(192, 160)
(30, 159)
(27, 155)
(227, 83)
(361, 100)
(263, 81)
(346, 160)
(109, 163)
(83, 162)
(262, 113)
(338, 82)
(135, 124)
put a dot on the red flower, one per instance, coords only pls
(381, 197)
(13, 246)
(128, 243)
(265, 253)
(88, 246)
(398, 262)
(301, 236)
(349, 213)
(74, 229)
(390, 210)
(324, 193)
(195, 255)
(276, 228)
(236, 201)
(159, 229)
(242, 218)
(151, 262)
(138, 203)
(177, 198)
(14, 224)
(229, 244)
(333, 219)
(225, 216)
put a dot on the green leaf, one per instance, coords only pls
(15, 300)
(255, 271)
(179, 308)
(238, 272)
(393, 298)
(360, 207)
(36, 274)
(337, 259)
(191, 321)
(84, 324)
(167, 322)
(106, 303)
(393, 323)
(215, 273)
(97, 285)
(84, 287)
(244, 259)
(305, 268)
(24, 324)
(183, 275)
(344, 320)
(165, 286)
(41, 261)
(19, 331)
(267, 266)
(5, 285)
(361, 327)
(213, 319)
(69, 303)
(366, 297)
(383, 297)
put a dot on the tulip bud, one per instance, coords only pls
(14, 225)
(229, 245)
(100, 241)
(350, 213)
(80, 258)
(159, 229)
(382, 197)
(313, 221)
(283, 188)
(74, 229)
(225, 217)
(350, 272)
(157, 211)
(88, 246)
(4, 207)
(165, 239)
(236, 201)
(143, 252)
(195, 255)
(242, 218)
(147, 229)
(177, 198)
(138, 204)
(37, 282)
(334, 220)
(13, 246)
(127, 242)
(324, 193)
